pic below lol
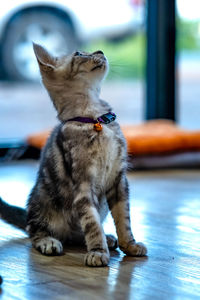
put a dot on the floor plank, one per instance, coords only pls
(165, 208)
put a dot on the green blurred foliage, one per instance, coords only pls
(126, 57)
(188, 35)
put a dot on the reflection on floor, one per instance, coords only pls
(165, 209)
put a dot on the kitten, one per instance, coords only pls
(83, 168)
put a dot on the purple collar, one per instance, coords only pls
(105, 119)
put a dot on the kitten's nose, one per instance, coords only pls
(98, 52)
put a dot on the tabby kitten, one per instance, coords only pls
(83, 168)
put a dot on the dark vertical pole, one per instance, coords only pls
(161, 28)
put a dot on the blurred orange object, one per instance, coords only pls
(150, 138)
(38, 140)
(160, 137)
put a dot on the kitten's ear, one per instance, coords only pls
(45, 60)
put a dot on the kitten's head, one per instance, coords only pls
(87, 68)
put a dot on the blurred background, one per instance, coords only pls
(116, 27)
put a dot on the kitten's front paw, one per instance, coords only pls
(97, 258)
(135, 249)
(49, 246)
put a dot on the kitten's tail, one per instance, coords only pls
(13, 215)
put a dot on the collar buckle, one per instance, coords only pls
(107, 118)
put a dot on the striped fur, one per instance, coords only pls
(82, 172)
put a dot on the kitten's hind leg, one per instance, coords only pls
(45, 243)
(119, 205)
(111, 241)
(49, 246)
(98, 253)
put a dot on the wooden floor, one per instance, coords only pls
(165, 209)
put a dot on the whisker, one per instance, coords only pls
(118, 64)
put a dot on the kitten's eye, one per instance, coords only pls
(77, 53)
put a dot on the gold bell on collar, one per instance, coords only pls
(98, 127)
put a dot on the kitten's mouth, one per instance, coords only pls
(99, 66)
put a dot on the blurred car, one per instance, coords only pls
(62, 26)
